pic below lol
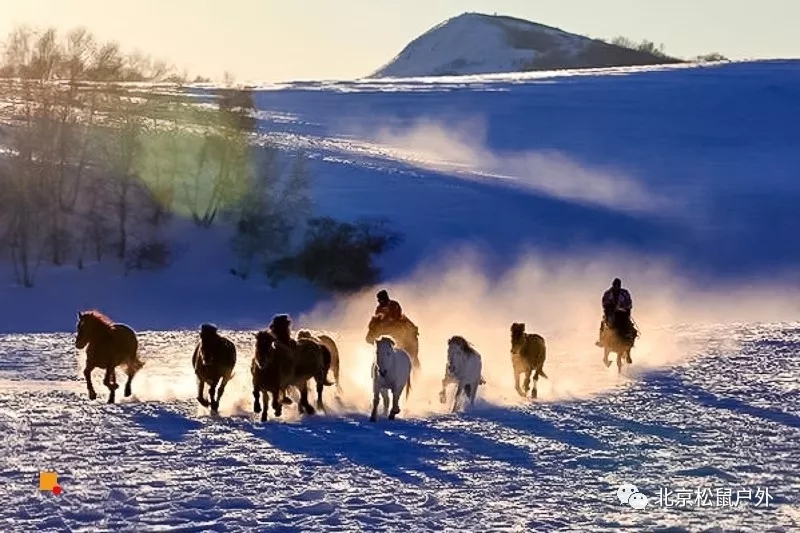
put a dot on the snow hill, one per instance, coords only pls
(475, 43)
(520, 197)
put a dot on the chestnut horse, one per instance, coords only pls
(108, 345)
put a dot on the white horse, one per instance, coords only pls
(464, 367)
(391, 370)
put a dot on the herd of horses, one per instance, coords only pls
(283, 364)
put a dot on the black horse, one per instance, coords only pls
(213, 360)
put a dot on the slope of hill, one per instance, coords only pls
(474, 43)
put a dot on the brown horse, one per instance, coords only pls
(528, 353)
(619, 336)
(281, 362)
(331, 346)
(213, 360)
(403, 331)
(108, 345)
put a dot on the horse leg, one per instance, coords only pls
(87, 373)
(256, 402)
(628, 356)
(395, 403)
(473, 392)
(385, 396)
(606, 351)
(320, 381)
(309, 409)
(517, 372)
(265, 400)
(526, 385)
(534, 392)
(130, 371)
(110, 381)
(277, 406)
(459, 392)
(374, 415)
(443, 393)
(213, 396)
(200, 393)
(225, 379)
(620, 357)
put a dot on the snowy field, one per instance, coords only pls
(520, 198)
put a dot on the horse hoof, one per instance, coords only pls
(373, 418)
(607, 363)
(256, 408)
(128, 392)
(110, 399)
(630, 362)
(214, 407)
(286, 401)
(92, 395)
(391, 416)
(264, 416)
(442, 397)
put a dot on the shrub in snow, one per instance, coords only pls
(337, 256)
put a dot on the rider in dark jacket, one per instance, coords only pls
(388, 309)
(614, 299)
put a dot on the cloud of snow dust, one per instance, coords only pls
(462, 149)
(558, 298)
(555, 296)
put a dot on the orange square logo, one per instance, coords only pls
(48, 481)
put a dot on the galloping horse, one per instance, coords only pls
(528, 353)
(213, 360)
(390, 371)
(404, 332)
(329, 343)
(284, 362)
(619, 337)
(464, 367)
(108, 345)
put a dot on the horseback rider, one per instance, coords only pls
(388, 310)
(615, 299)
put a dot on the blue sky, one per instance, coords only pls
(270, 40)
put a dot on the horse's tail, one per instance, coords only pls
(326, 365)
(136, 363)
(334, 350)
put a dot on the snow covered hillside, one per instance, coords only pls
(475, 43)
(520, 197)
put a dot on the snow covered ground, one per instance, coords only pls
(520, 200)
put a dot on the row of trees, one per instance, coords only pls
(658, 50)
(79, 56)
(97, 172)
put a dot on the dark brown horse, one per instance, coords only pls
(619, 336)
(108, 345)
(281, 362)
(331, 346)
(213, 360)
(528, 353)
(404, 332)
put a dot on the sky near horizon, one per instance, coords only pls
(271, 40)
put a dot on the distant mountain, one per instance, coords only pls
(474, 43)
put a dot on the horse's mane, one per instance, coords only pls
(463, 344)
(98, 317)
